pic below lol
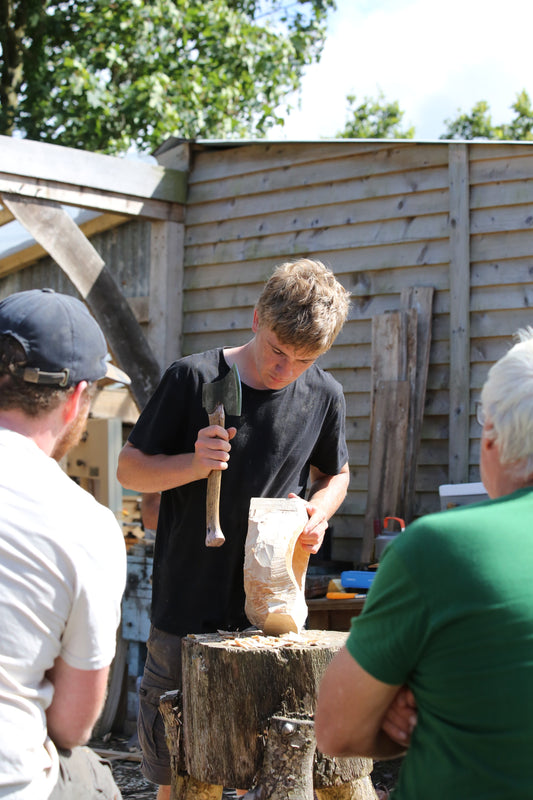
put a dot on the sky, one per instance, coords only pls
(435, 59)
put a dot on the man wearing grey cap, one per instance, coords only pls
(62, 555)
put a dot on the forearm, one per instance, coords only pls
(379, 747)
(325, 496)
(76, 705)
(351, 706)
(401, 717)
(66, 739)
(382, 748)
(329, 491)
(155, 473)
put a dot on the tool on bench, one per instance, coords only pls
(387, 535)
(357, 579)
(219, 398)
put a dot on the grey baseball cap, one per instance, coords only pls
(62, 341)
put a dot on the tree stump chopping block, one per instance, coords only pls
(234, 685)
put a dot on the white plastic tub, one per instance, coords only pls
(461, 494)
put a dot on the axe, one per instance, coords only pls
(218, 398)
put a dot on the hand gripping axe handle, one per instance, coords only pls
(218, 398)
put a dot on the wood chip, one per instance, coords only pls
(248, 641)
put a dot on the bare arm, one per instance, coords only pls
(350, 710)
(157, 473)
(150, 502)
(401, 717)
(325, 496)
(76, 705)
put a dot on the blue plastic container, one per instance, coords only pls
(357, 579)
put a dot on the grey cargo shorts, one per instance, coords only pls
(162, 673)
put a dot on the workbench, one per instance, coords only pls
(333, 615)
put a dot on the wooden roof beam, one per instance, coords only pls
(84, 197)
(29, 254)
(52, 163)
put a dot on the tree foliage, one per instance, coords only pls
(374, 119)
(106, 75)
(474, 125)
(478, 123)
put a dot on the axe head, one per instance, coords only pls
(226, 391)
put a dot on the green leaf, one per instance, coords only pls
(107, 74)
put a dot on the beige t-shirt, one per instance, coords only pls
(62, 576)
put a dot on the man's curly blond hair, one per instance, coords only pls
(304, 305)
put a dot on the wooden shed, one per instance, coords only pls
(177, 251)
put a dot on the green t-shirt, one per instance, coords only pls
(450, 613)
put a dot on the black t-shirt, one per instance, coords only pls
(199, 589)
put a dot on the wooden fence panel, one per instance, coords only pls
(385, 216)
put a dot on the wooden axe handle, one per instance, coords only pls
(214, 536)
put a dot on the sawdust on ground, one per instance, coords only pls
(134, 786)
(127, 771)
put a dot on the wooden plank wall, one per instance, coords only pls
(501, 256)
(384, 217)
(376, 213)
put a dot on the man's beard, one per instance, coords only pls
(73, 433)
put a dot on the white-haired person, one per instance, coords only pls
(449, 622)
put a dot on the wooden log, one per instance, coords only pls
(343, 778)
(189, 788)
(287, 771)
(275, 565)
(233, 684)
(183, 786)
(362, 789)
(170, 708)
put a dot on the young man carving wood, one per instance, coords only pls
(289, 440)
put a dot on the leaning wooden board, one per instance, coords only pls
(394, 347)
(419, 298)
